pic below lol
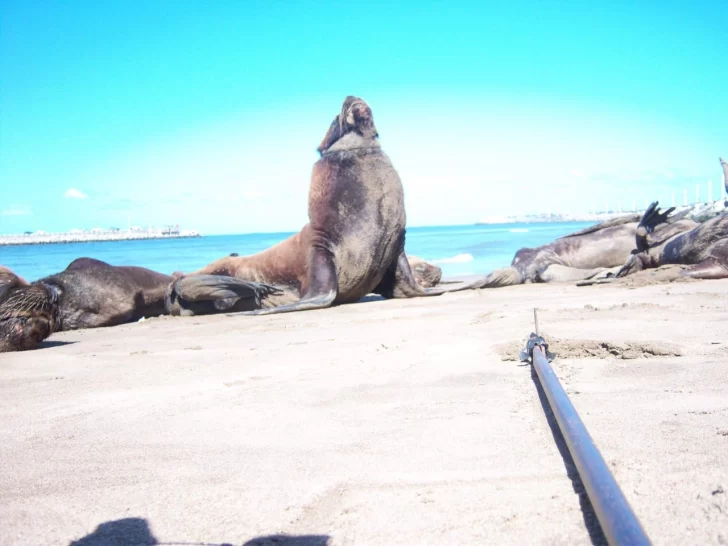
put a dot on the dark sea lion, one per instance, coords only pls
(591, 252)
(725, 174)
(354, 242)
(90, 293)
(28, 313)
(704, 248)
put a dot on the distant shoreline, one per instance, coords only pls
(90, 237)
(553, 218)
(699, 212)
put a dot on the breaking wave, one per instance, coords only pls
(457, 259)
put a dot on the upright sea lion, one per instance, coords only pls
(90, 293)
(725, 173)
(704, 248)
(584, 254)
(354, 242)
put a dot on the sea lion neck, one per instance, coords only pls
(352, 141)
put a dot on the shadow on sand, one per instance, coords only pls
(596, 534)
(136, 532)
(50, 344)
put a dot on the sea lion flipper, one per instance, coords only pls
(322, 288)
(649, 221)
(653, 217)
(203, 294)
(215, 287)
(309, 304)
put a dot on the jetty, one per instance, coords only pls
(96, 235)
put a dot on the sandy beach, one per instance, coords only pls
(383, 422)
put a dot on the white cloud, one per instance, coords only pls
(16, 210)
(73, 193)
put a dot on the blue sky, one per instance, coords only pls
(208, 114)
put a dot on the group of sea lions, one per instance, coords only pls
(353, 245)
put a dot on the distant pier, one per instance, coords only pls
(94, 235)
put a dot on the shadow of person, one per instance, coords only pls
(136, 532)
(120, 532)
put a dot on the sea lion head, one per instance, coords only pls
(355, 117)
(29, 313)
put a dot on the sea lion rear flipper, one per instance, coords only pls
(653, 217)
(649, 221)
(203, 294)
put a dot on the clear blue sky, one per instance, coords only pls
(208, 114)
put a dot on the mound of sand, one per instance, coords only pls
(590, 348)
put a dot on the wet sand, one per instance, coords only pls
(384, 422)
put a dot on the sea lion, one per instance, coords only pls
(725, 174)
(28, 313)
(425, 273)
(598, 250)
(704, 248)
(90, 293)
(354, 242)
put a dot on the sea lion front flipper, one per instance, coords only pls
(204, 294)
(322, 288)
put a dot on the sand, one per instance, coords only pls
(385, 422)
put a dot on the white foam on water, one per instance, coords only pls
(457, 259)
(519, 230)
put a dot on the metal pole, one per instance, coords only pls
(619, 523)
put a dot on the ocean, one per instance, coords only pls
(458, 250)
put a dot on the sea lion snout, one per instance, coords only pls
(356, 115)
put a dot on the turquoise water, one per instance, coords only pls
(459, 250)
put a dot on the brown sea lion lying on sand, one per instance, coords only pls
(704, 249)
(90, 293)
(354, 242)
(594, 251)
(425, 274)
